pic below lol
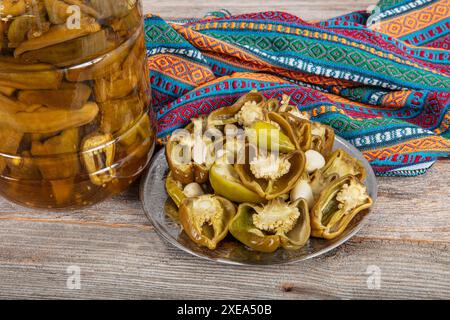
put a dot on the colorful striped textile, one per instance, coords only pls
(381, 81)
(423, 23)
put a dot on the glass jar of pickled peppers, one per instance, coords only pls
(76, 124)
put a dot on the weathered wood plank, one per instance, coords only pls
(120, 255)
(305, 9)
(123, 263)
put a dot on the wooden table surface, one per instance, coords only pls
(406, 241)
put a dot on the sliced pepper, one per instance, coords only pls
(85, 8)
(74, 52)
(206, 219)
(18, 30)
(57, 11)
(58, 163)
(275, 134)
(337, 206)
(98, 153)
(115, 8)
(248, 109)
(24, 167)
(277, 224)
(58, 34)
(178, 192)
(3, 39)
(128, 24)
(185, 172)
(10, 142)
(139, 140)
(119, 115)
(322, 138)
(319, 181)
(273, 105)
(109, 64)
(69, 96)
(12, 64)
(13, 8)
(122, 83)
(234, 144)
(174, 189)
(271, 176)
(44, 79)
(7, 91)
(116, 86)
(40, 25)
(190, 155)
(310, 135)
(225, 181)
(10, 105)
(302, 130)
(40, 119)
(340, 163)
(286, 107)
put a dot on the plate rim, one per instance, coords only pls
(337, 244)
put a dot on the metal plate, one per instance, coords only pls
(162, 212)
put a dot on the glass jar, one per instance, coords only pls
(76, 124)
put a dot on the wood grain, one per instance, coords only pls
(121, 257)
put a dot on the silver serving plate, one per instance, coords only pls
(162, 213)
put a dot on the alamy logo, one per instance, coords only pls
(374, 278)
(374, 20)
(74, 280)
(74, 20)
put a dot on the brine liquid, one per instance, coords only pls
(76, 124)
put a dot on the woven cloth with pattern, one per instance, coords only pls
(381, 80)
